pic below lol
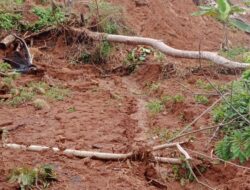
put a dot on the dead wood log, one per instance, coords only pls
(4, 44)
(161, 46)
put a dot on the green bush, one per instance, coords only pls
(47, 17)
(28, 178)
(235, 144)
(9, 21)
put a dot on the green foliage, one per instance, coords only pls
(57, 93)
(47, 17)
(155, 106)
(182, 173)
(21, 95)
(237, 54)
(235, 144)
(100, 54)
(200, 99)
(24, 95)
(138, 54)
(27, 178)
(178, 98)
(162, 133)
(105, 16)
(221, 11)
(8, 20)
(4, 67)
(203, 85)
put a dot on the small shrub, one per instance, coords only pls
(28, 178)
(178, 98)
(100, 54)
(155, 106)
(236, 54)
(203, 85)
(8, 20)
(235, 144)
(201, 99)
(24, 95)
(57, 93)
(5, 67)
(47, 18)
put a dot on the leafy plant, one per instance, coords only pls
(203, 85)
(237, 54)
(155, 106)
(235, 144)
(8, 20)
(178, 98)
(138, 54)
(27, 178)
(47, 17)
(200, 99)
(100, 54)
(222, 11)
(4, 67)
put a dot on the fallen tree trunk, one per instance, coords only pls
(161, 46)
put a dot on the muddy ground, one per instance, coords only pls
(111, 113)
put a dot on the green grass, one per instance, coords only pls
(47, 18)
(8, 20)
(203, 85)
(240, 54)
(27, 178)
(21, 95)
(155, 106)
(201, 99)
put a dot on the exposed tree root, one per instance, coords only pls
(159, 45)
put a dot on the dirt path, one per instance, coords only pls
(141, 114)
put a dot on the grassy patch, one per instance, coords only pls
(240, 54)
(8, 20)
(28, 178)
(47, 17)
(203, 85)
(21, 95)
(200, 99)
(155, 106)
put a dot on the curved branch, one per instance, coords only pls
(161, 46)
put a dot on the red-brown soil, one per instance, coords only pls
(110, 112)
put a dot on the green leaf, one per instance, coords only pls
(224, 9)
(240, 25)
